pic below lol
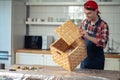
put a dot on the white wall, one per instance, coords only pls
(58, 13)
(111, 14)
(18, 26)
(5, 25)
(12, 26)
(5, 28)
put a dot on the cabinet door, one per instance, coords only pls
(37, 59)
(49, 61)
(25, 58)
(112, 64)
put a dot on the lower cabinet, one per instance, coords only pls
(35, 59)
(46, 59)
(112, 64)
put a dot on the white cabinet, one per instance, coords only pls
(24, 58)
(35, 59)
(112, 64)
(47, 60)
(12, 27)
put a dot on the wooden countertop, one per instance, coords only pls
(107, 55)
(32, 51)
(58, 73)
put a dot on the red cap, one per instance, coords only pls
(91, 5)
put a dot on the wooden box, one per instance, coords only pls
(68, 56)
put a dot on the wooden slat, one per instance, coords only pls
(112, 55)
(32, 51)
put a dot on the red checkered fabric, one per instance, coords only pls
(102, 32)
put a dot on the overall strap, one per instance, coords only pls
(86, 25)
(97, 24)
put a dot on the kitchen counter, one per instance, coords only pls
(58, 73)
(32, 51)
(107, 55)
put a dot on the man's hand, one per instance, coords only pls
(84, 33)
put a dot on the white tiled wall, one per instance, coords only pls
(111, 14)
(43, 30)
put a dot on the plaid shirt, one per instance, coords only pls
(102, 31)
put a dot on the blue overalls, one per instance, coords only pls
(95, 58)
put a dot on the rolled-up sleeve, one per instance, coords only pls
(103, 35)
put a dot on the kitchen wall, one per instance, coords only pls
(12, 28)
(5, 25)
(110, 13)
(5, 29)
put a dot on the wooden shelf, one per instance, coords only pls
(33, 51)
(69, 3)
(109, 55)
(44, 23)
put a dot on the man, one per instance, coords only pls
(95, 32)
